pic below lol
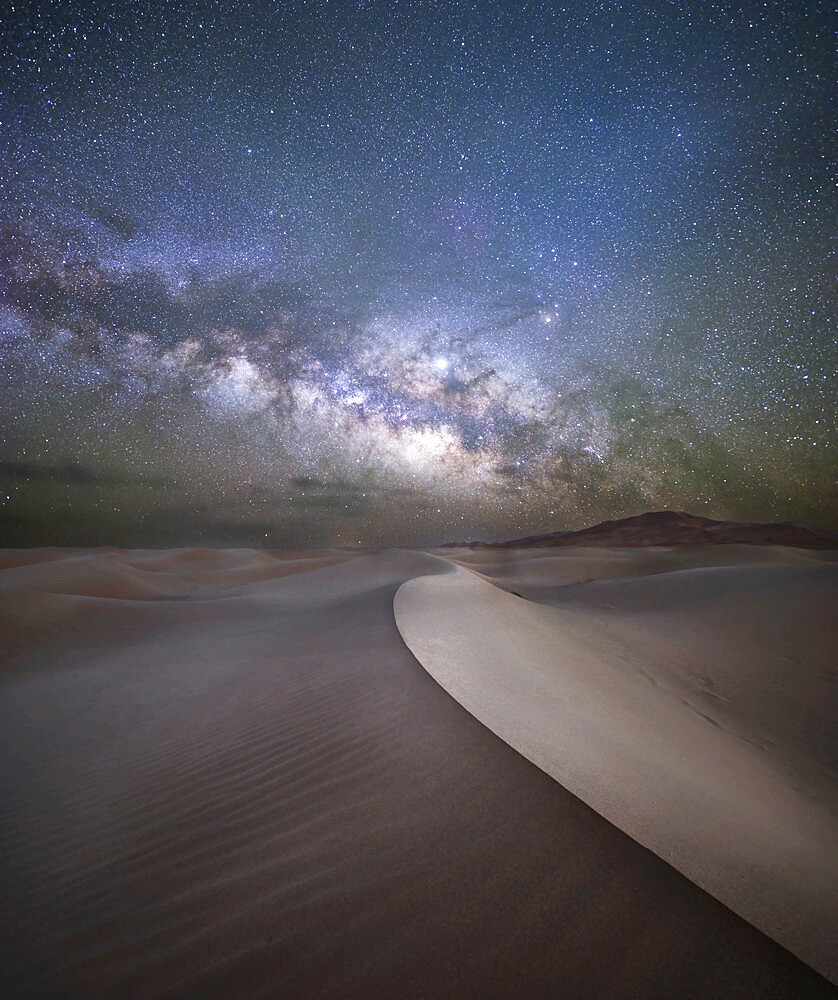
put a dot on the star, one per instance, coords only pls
(326, 285)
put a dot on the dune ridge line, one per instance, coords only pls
(580, 693)
(225, 774)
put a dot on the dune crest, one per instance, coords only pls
(224, 774)
(676, 706)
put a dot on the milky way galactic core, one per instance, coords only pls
(361, 273)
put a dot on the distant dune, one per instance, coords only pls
(224, 773)
(666, 527)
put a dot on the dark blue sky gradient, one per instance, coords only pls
(330, 273)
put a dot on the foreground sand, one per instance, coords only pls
(224, 774)
(692, 708)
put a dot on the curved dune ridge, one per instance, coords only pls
(693, 708)
(223, 773)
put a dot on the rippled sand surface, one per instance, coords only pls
(225, 774)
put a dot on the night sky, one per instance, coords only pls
(352, 272)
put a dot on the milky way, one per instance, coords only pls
(340, 273)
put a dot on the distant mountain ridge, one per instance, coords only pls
(666, 527)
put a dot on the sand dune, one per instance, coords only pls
(694, 709)
(669, 527)
(224, 774)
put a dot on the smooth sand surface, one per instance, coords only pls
(224, 775)
(692, 707)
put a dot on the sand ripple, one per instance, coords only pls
(693, 709)
(234, 780)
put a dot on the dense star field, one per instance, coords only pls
(342, 273)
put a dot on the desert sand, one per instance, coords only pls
(587, 773)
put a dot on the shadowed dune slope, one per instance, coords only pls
(239, 782)
(694, 709)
